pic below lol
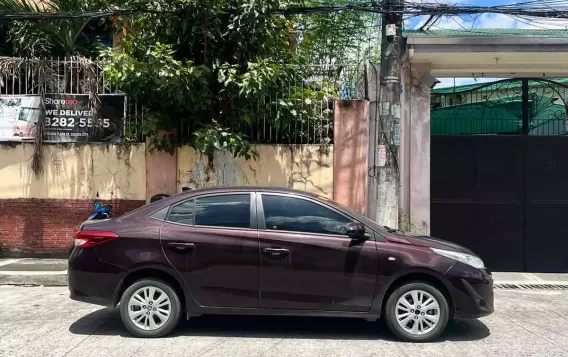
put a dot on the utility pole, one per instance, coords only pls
(387, 174)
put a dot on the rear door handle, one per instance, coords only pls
(276, 252)
(181, 246)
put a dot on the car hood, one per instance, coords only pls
(431, 242)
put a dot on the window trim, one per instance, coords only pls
(195, 198)
(262, 218)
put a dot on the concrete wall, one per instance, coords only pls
(303, 167)
(74, 171)
(350, 164)
(160, 173)
(41, 215)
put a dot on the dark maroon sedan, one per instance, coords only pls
(268, 251)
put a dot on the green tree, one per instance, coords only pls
(54, 38)
(207, 68)
(339, 37)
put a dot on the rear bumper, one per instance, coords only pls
(472, 291)
(91, 280)
(75, 295)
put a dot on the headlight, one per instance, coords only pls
(461, 257)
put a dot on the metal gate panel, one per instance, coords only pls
(547, 204)
(498, 235)
(498, 169)
(547, 238)
(477, 196)
(500, 172)
(452, 168)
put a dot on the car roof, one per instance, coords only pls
(225, 189)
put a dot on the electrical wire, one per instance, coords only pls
(529, 11)
(65, 15)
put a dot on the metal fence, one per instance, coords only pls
(313, 96)
(69, 76)
(61, 76)
(300, 111)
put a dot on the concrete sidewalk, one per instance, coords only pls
(53, 272)
(28, 271)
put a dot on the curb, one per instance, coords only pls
(59, 278)
(52, 278)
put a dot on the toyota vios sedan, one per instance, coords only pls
(267, 251)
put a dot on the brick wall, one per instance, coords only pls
(48, 225)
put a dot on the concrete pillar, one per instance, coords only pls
(372, 70)
(415, 150)
(161, 172)
(350, 147)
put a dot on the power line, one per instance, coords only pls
(549, 9)
(68, 15)
(428, 9)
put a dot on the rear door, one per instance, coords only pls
(307, 260)
(213, 242)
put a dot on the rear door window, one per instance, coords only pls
(232, 211)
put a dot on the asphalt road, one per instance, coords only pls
(43, 321)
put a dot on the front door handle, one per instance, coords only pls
(276, 252)
(181, 246)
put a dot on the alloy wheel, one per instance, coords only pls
(149, 308)
(417, 312)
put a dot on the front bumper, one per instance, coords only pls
(472, 291)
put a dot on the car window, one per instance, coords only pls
(182, 213)
(161, 214)
(223, 211)
(356, 215)
(299, 215)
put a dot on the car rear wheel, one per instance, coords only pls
(150, 308)
(417, 312)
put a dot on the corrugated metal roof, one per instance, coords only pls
(486, 32)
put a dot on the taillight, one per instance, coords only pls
(87, 239)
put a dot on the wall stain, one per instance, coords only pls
(302, 170)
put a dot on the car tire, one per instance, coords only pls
(413, 322)
(150, 308)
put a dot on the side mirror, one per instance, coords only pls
(355, 230)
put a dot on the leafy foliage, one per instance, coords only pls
(57, 38)
(205, 69)
(339, 37)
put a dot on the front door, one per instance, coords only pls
(307, 261)
(211, 242)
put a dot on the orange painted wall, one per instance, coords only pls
(350, 165)
(161, 173)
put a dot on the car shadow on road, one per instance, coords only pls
(107, 322)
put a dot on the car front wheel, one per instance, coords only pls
(417, 312)
(150, 308)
